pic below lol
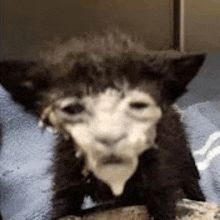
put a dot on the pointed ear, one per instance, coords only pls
(180, 72)
(24, 80)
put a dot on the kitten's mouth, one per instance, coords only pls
(113, 170)
(112, 160)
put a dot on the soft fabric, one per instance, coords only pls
(203, 127)
(201, 114)
(25, 160)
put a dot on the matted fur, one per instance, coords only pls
(88, 67)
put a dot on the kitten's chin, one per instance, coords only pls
(115, 174)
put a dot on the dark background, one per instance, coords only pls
(28, 24)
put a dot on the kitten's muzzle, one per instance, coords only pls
(110, 141)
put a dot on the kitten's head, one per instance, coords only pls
(105, 92)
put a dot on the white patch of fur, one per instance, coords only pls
(110, 126)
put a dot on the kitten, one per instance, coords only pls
(120, 140)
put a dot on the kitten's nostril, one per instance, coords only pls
(109, 141)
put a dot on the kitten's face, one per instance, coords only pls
(74, 90)
(111, 129)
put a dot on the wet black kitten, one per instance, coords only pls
(120, 140)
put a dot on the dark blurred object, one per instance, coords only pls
(27, 24)
(186, 210)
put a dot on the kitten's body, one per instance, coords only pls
(121, 142)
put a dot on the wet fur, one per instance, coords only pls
(164, 175)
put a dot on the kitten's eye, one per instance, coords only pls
(74, 109)
(138, 105)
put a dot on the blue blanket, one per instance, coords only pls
(25, 157)
(203, 127)
(24, 161)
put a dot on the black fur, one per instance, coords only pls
(164, 175)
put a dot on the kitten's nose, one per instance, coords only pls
(110, 141)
